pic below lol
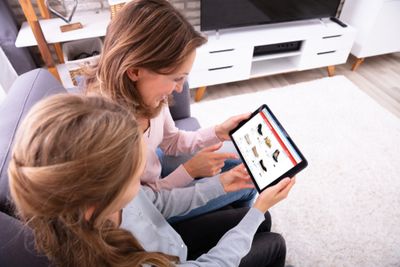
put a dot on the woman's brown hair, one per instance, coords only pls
(73, 153)
(148, 34)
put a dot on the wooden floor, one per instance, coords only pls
(377, 76)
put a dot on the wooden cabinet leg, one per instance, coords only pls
(199, 93)
(44, 11)
(53, 70)
(33, 21)
(357, 64)
(59, 52)
(331, 71)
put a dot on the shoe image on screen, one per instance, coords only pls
(272, 154)
(275, 155)
(267, 141)
(247, 139)
(262, 166)
(259, 129)
(254, 149)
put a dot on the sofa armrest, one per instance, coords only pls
(27, 89)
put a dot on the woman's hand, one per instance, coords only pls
(222, 130)
(236, 179)
(207, 162)
(272, 195)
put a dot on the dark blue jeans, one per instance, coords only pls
(241, 198)
(267, 249)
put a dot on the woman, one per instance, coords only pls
(148, 53)
(70, 191)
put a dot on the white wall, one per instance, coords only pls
(190, 8)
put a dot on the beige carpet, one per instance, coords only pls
(345, 207)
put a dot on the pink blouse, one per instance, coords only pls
(164, 134)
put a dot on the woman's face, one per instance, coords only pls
(154, 87)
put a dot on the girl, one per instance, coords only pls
(148, 53)
(70, 192)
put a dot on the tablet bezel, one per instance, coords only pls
(291, 172)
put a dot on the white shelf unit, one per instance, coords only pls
(377, 23)
(273, 66)
(94, 25)
(277, 55)
(228, 55)
(274, 63)
(64, 75)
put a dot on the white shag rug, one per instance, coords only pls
(345, 207)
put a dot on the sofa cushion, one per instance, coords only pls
(24, 93)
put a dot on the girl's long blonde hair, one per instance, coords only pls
(150, 34)
(72, 153)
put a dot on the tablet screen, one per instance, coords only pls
(266, 149)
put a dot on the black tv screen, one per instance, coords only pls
(221, 14)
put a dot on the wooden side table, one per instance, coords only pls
(46, 31)
(33, 22)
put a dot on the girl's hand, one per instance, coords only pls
(207, 162)
(274, 194)
(222, 130)
(236, 179)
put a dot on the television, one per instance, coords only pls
(222, 14)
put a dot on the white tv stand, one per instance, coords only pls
(228, 55)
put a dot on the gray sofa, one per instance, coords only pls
(16, 242)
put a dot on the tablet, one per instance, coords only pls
(266, 149)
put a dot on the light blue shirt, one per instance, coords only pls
(145, 217)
